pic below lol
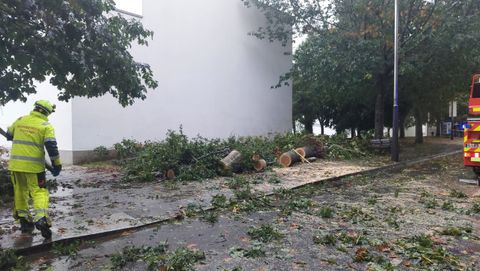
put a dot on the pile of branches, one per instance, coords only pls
(339, 147)
(188, 159)
(199, 158)
(6, 186)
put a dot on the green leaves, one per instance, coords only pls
(346, 63)
(73, 44)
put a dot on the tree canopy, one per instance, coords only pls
(346, 64)
(80, 46)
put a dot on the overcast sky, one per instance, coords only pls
(134, 6)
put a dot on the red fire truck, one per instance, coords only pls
(471, 134)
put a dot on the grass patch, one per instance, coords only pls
(192, 210)
(219, 201)
(237, 182)
(356, 215)
(210, 216)
(66, 249)
(373, 200)
(298, 204)
(184, 259)
(253, 252)
(456, 231)
(157, 258)
(171, 184)
(9, 260)
(458, 194)
(325, 239)
(428, 200)
(326, 212)
(475, 209)
(423, 253)
(448, 206)
(283, 193)
(274, 180)
(265, 233)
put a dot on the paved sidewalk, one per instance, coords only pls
(95, 201)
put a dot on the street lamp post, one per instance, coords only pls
(394, 150)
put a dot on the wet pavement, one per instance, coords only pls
(89, 201)
(95, 200)
(378, 213)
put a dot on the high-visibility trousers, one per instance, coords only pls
(28, 186)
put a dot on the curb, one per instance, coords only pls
(89, 237)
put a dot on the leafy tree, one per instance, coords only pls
(330, 91)
(311, 99)
(360, 39)
(80, 46)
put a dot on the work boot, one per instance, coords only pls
(26, 226)
(44, 227)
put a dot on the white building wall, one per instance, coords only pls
(214, 79)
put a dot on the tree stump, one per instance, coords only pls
(170, 174)
(260, 165)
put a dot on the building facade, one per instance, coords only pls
(214, 79)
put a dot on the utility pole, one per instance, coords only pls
(395, 149)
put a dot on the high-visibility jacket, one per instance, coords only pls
(31, 135)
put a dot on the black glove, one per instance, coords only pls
(56, 170)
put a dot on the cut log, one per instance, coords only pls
(308, 151)
(256, 157)
(316, 144)
(260, 165)
(170, 174)
(230, 161)
(289, 158)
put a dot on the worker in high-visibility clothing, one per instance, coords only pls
(31, 135)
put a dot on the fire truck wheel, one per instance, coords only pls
(476, 170)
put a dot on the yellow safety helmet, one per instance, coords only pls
(46, 106)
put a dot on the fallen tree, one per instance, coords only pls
(200, 158)
(302, 154)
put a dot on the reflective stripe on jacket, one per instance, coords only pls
(31, 135)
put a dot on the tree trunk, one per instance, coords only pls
(308, 124)
(352, 132)
(310, 151)
(294, 127)
(402, 127)
(309, 128)
(380, 108)
(418, 127)
(231, 162)
(322, 127)
(438, 128)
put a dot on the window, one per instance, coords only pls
(476, 90)
(130, 7)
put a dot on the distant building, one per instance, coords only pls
(214, 79)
